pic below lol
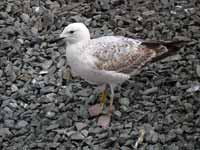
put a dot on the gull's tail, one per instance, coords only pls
(163, 49)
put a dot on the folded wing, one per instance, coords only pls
(123, 55)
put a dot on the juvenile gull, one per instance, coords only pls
(108, 60)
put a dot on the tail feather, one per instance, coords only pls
(163, 49)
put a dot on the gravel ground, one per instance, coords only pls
(42, 107)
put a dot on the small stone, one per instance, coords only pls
(80, 125)
(77, 136)
(53, 145)
(61, 63)
(84, 93)
(25, 17)
(5, 132)
(9, 123)
(47, 89)
(14, 88)
(51, 127)
(150, 91)
(102, 135)
(34, 31)
(165, 2)
(172, 58)
(50, 114)
(43, 72)
(47, 64)
(124, 148)
(70, 133)
(86, 148)
(179, 131)
(124, 108)
(102, 4)
(198, 70)
(20, 41)
(187, 129)
(116, 2)
(155, 147)
(22, 124)
(171, 135)
(1, 73)
(13, 104)
(9, 112)
(64, 121)
(85, 132)
(173, 146)
(124, 101)
(37, 9)
(118, 114)
(188, 107)
(148, 13)
(154, 137)
(129, 125)
(194, 88)
(96, 130)
(162, 138)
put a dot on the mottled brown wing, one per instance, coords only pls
(124, 55)
(127, 62)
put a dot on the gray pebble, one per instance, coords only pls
(9, 123)
(77, 136)
(150, 91)
(25, 17)
(124, 101)
(85, 132)
(22, 124)
(14, 88)
(5, 132)
(50, 114)
(118, 114)
(148, 13)
(198, 70)
(80, 125)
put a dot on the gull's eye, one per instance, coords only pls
(71, 32)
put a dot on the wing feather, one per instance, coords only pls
(120, 54)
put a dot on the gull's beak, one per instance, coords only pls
(63, 35)
(57, 39)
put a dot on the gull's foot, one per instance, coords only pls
(104, 121)
(95, 110)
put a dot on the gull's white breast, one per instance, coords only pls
(83, 65)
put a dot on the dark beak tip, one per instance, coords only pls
(57, 39)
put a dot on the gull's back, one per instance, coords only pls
(121, 54)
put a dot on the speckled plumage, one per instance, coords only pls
(109, 59)
(120, 54)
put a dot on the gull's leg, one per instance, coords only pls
(104, 120)
(97, 109)
(103, 97)
(111, 98)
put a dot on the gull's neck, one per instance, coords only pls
(76, 47)
(77, 42)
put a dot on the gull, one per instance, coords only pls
(109, 60)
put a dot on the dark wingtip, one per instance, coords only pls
(175, 43)
(171, 48)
